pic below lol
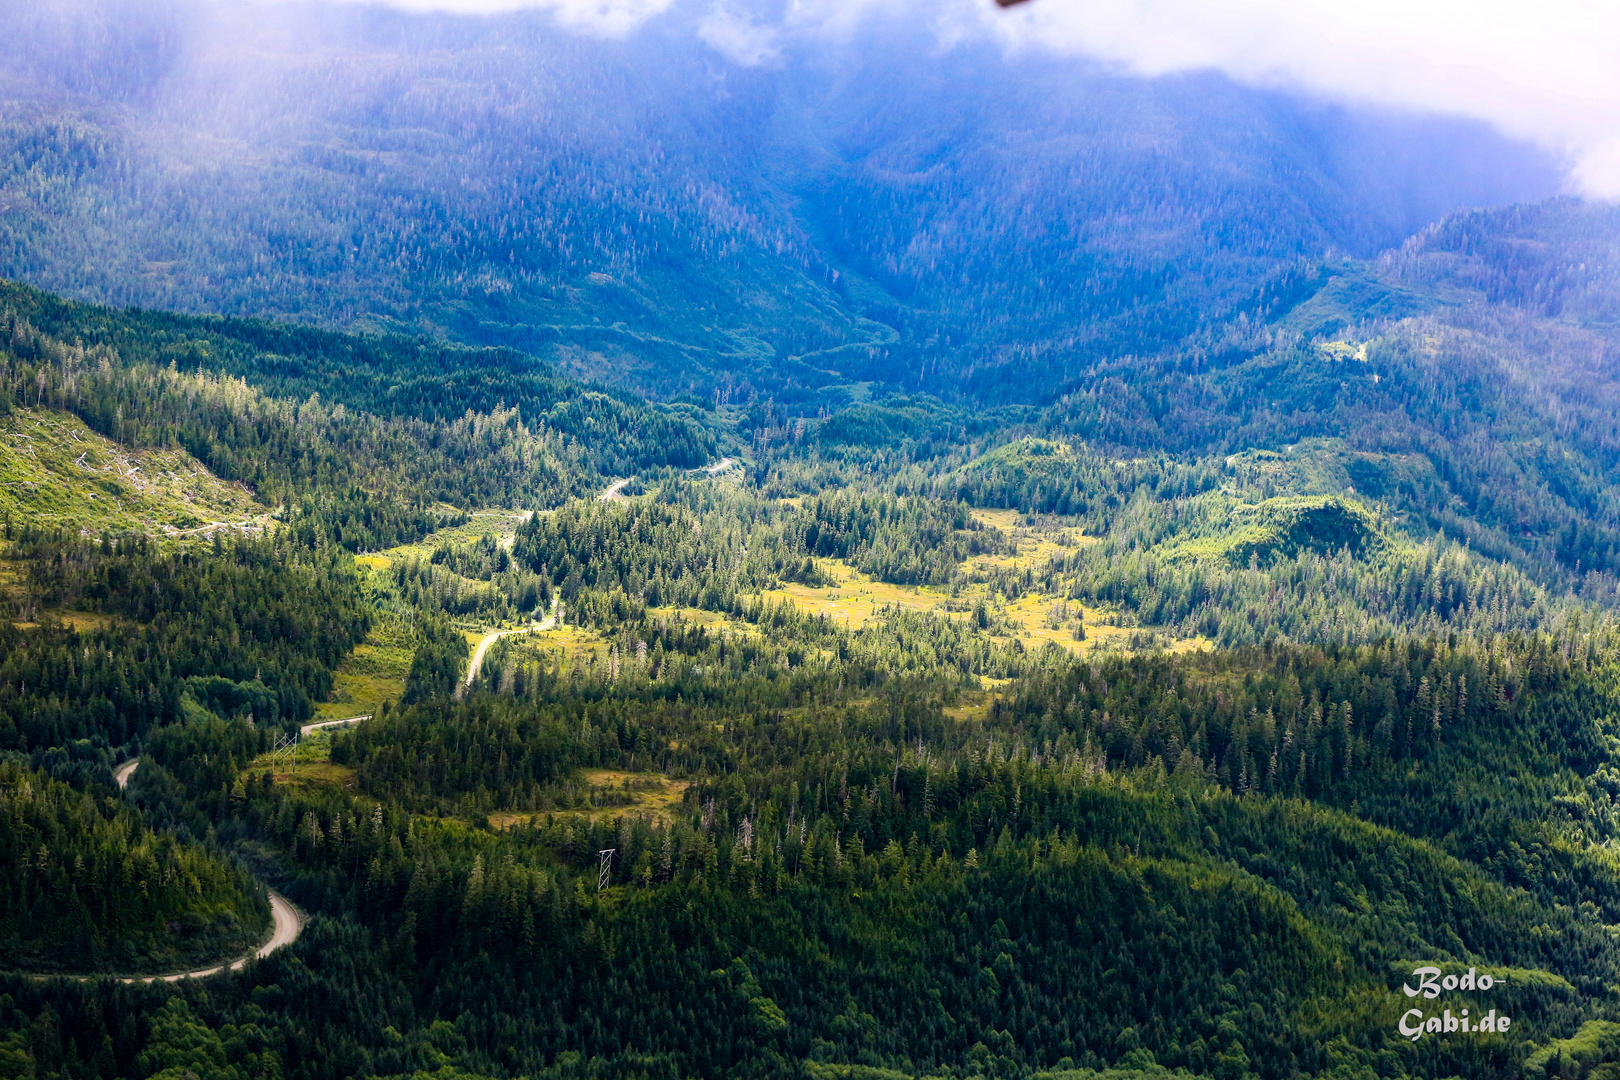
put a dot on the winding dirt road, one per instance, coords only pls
(615, 490)
(286, 922)
(477, 661)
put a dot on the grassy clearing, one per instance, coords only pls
(1036, 544)
(572, 643)
(355, 693)
(972, 705)
(714, 622)
(312, 767)
(82, 621)
(501, 523)
(654, 794)
(56, 471)
(651, 795)
(563, 647)
(315, 774)
(856, 598)
(372, 674)
(1031, 614)
(1005, 520)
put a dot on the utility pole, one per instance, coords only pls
(604, 868)
(285, 744)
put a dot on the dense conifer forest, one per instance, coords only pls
(850, 567)
(908, 740)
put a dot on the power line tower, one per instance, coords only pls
(604, 868)
(288, 745)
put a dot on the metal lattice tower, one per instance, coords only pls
(604, 868)
(285, 744)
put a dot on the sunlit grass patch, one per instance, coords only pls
(610, 793)
(1032, 613)
(563, 648)
(972, 705)
(314, 774)
(564, 640)
(1036, 544)
(856, 598)
(355, 695)
(714, 622)
(82, 621)
(652, 794)
(372, 674)
(1005, 520)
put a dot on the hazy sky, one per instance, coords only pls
(1544, 70)
(1547, 71)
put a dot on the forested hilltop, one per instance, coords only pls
(1124, 736)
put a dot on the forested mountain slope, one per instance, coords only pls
(1462, 386)
(90, 887)
(973, 754)
(881, 207)
(1123, 574)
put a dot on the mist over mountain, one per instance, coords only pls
(684, 208)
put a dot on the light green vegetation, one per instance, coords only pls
(500, 524)
(55, 471)
(372, 674)
(1590, 1053)
(1283, 527)
(310, 766)
(928, 742)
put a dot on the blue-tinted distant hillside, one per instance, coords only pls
(880, 209)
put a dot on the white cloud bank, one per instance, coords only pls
(738, 38)
(1543, 70)
(604, 18)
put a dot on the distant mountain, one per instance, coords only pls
(878, 212)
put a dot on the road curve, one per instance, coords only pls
(286, 922)
(489, 639)
(477, 661)
(614, 490)
(720, 466)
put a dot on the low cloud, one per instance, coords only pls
(600, 18)
(738, 38)
(1545, 72)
